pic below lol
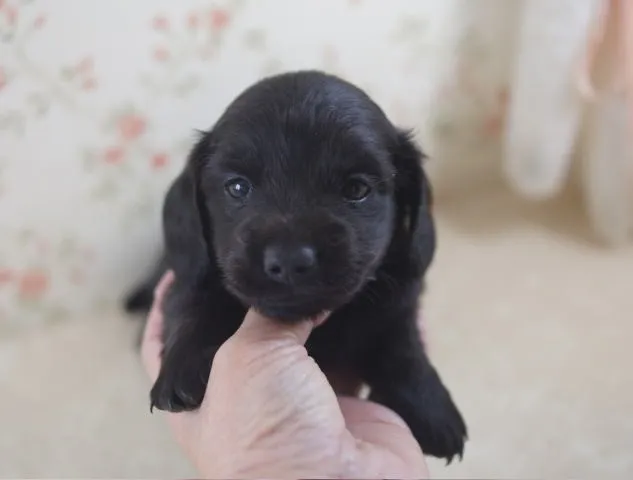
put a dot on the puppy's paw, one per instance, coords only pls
(173, 393)
(182, 383)
(439, 427)
(430, 413)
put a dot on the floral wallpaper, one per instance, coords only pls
(99, 102)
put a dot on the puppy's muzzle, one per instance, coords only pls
(290, 267)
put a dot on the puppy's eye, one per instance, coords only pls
(356, 189)
(238, 188)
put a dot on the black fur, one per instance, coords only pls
(298, 138)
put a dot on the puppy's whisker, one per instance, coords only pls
(374, 297)
(240, 240)
(390, 281)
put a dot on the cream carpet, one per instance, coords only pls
(529, 323)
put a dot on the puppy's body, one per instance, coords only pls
(304, 198)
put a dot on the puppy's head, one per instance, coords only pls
(301, 187)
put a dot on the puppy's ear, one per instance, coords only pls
(188, 229)
(198, 158)
(414, 200)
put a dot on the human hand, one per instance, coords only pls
(270, 412)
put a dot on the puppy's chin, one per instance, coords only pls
(293, 308)
(289, 314)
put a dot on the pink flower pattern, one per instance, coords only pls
(161, 23)
(33, 284)
(131, 126)
(3, 79)
(159, 160)
(114, 155)
(218, 18)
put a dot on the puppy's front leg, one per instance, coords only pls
(191, 338)
(183, 376)
(402, 378)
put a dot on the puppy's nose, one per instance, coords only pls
(289, 264)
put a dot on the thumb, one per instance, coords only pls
(257, 328)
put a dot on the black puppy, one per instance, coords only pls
(304, 198)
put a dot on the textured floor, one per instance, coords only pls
(529, 323)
